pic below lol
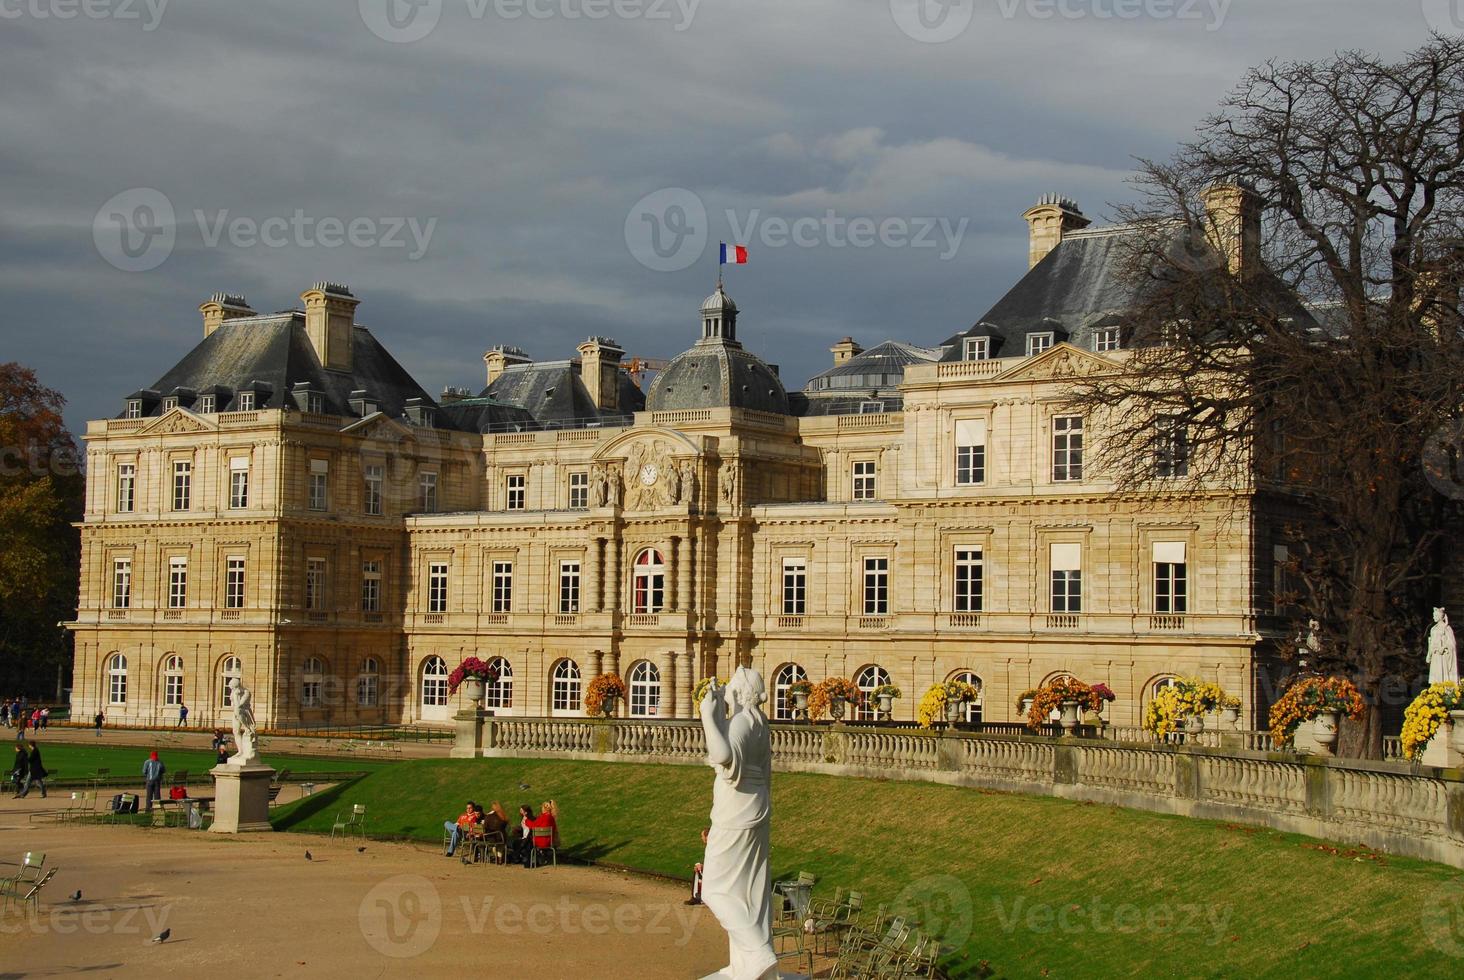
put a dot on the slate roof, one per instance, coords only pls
(882, 366)
(717, 373)
(484, 415)
(552, 393)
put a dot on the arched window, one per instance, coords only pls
(564, 688)
(1161, 683)
(117, 679)
(231, 669)
(368, 683)
(867, 680)
(173, 681)
(499, 694)
(311, 674)
(649, 594)
(434, 683)
(787, 675)
(973, 709)
(645, 690)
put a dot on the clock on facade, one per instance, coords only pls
(648, 474)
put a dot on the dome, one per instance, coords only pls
(718, 302)
(717, 372)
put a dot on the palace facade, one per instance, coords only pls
(286, 505)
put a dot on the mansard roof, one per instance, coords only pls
(552, 392)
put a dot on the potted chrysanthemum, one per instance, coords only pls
(799, 692)
(472, 675)
(884, 699)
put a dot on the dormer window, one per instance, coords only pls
(134, 408)
(1038, 342)
(170, 403)
(976, 349)
(869, 407)
(315, 403)
(206, 404)
(1107, 339)
(246, 401)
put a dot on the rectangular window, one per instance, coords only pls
(177, 583)
(569, 586)
(315, 403)
(871, 408)
(126, 487)
(1067, 448)
(864, 479)
(1171, 451)
(134, 409)
(238, 482)
(246, 401)
(579, 491)
(1038, 342)
(968, 580)
(319, 484)
(1171, 587)
(371, 586)
(121, 583)
(170, 403)
(1067, 578)
(876, 586)
(437, 587)
(427, 493)
(182, 484)
(234, 583)
(502, 586)
(315, 584)
(516, 491)
(206, 404)
(374, 477)
(970, 452)
(795, 586)
(976, 349)
(1106, 339)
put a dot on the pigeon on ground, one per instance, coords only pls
(308, 857)
(360, 850)
(523, 785)
(76, 895)
(162, 937)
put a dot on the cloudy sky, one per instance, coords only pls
(535, 171)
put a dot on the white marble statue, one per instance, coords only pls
(1443, 651)
(736, 882)
(246, 743)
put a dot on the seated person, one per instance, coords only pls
(521, 843)
(491, 823)
(546, 820)
(456, 828)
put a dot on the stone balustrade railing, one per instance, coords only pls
(1392, 806)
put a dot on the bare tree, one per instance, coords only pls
(1297, 336)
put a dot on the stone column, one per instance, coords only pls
(685, 682)
(594, 582)
(683, 577)
(670, 689)
(673, 558)
(612, 574)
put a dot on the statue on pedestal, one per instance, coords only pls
(736, 882)
(1443, 651)
(246, 743)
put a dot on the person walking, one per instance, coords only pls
(20, 726)
(152, 774)
(182, 715)
(46, 717)
(18, 769)
(36, 720)
(98, 721)
(35, 772)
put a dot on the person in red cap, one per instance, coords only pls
(152, 775)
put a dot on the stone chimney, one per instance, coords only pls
(330, 319)
(600, 371)
(501, 357)
(1233, 224)
(220, 307)
(1052, 217)
(845, 349)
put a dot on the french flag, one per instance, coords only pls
(734, 254)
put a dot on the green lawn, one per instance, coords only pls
(68, 760)
(1038, 886)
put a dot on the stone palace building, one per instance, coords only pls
(286, 505)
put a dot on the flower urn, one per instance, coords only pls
(953, 711)
(1026, 707)
(884, 703)
(473, 690)
(1230, 716)
(1324, 730)
(1194, 724)
(800, 702)
(836, 708)
(1068, 716)
(1456, 730)
(608, 704)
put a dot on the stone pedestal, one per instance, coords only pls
(241, 798)
(469, 742)
(1439, 751)
(1304, 739)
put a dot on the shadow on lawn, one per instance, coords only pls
(304, 809)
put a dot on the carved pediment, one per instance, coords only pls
(1062, 361)
(174, 421)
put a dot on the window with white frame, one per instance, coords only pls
(876, 585)
(245, 401)
(172, 681)
(970, 452)
(314, 402)
(238, 482)
(315, 584)
(368, 683)
(976, 349)
(864, 473)
(795, 586)
(374, 477)
(968, 580)
(371, 586)
(427, 493)
(648, 586)
(134, 408)
(502, 586)
(312, 673)
(515, 485)
(234, 582)
(437, 587)
(121, 583)
(867, 680)
(569, 587)
(1067, 577)
(206, 404)
(871, 407)
(117, 679)
(319, 484)
(170, 403)
(645, 690)
(126, 487)
(1171, 449)
(231, 669)
(182, 483)
(579, 491)
(177, 582)
(1038, 342)
(786, 677)
(1171, 578)
(499, 693)
(1107, 339)
(1067, 448)
(434, 683)
(564, 688)
(973, 708)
